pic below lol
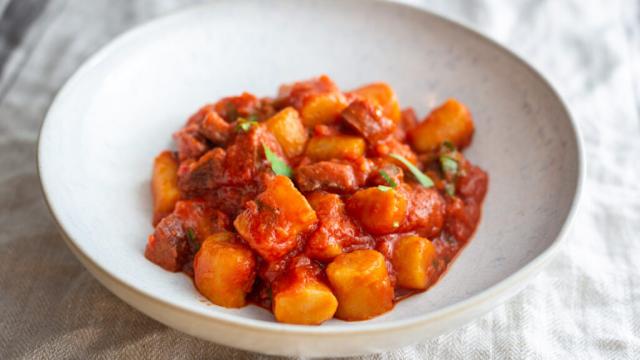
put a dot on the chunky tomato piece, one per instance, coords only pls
(273, 223)
(426, 211)
(336, 231)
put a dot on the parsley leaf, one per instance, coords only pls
(245, 124)
(449, 145)
(449, 165)
(383, 188)
(422, 178)
(278, 165)
(191, 236)
(388, 178)
(450, 188)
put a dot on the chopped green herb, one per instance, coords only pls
(450, 188)
(191, 236)
(450, 239)
(245, 124)
(384, 188)
(449, 165)
(422, 178)
(449, 145)
(278, 165)
(388, 179)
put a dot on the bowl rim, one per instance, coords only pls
(482, 299)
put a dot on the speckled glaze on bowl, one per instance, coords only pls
(119, 110)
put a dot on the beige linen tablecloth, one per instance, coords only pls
(586, 304)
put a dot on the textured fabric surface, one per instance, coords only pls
(585, 304)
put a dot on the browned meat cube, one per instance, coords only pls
(168, 246)
(178, 234)
(194, 177)
(408, 120)
(245, 156)
(233, 107)
(368, 119)
(214, 127)
(326, 175)
(209, 125)
(190, 143)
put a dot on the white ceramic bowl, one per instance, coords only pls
(119, 110)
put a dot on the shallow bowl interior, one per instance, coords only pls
(120, 109)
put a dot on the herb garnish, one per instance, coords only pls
(384, 188)
(245, 124)
(191, 236)
(422, 178)
(388, 178)
(450, 188)
(449, 165)
(449, 145)
(278, 165)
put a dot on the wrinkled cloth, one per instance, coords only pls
(584, 305)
